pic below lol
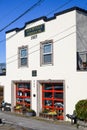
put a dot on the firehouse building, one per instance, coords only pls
(46, 62)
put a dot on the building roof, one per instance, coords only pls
(44, 18)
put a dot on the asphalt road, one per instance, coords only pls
(23, 123)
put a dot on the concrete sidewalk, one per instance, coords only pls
(30, 123)
(12, 127)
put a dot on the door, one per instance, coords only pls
(52, 98)
(23, 94)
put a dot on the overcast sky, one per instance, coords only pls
(10, 10)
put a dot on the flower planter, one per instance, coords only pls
(48, 116)
(29, 114)
(18, 110)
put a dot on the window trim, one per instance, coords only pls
(42, 54)
(19, 56)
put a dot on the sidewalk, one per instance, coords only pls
(32, 123)
(12, 127)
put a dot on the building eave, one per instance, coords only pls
(45, 19)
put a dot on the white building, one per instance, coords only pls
(45, 62)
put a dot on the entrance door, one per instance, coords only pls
(52, 98)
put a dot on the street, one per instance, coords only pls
(14, 122)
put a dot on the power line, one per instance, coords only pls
(61, 6)
(32, 7)
(56, 40)
(39, 49)
(47, 38)
(82, 39)
(11, 11)
(51, 12)
(29, 10)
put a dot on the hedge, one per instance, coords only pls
(81, 109)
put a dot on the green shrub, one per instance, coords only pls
(81, 109)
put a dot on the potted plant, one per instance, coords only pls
(18, 108)
(47, 113)
(30, 112)
(44, 113)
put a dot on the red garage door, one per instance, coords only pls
(23, 94)
(52, 98)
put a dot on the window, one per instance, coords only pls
(82, 61)
(46, 52)
(34, 72)
(23, 56)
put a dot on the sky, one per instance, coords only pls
(11, 10)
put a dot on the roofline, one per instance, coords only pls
(44, 18)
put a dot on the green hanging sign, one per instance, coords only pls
(35, 30)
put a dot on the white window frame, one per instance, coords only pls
(42, 53)
(21, 57)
